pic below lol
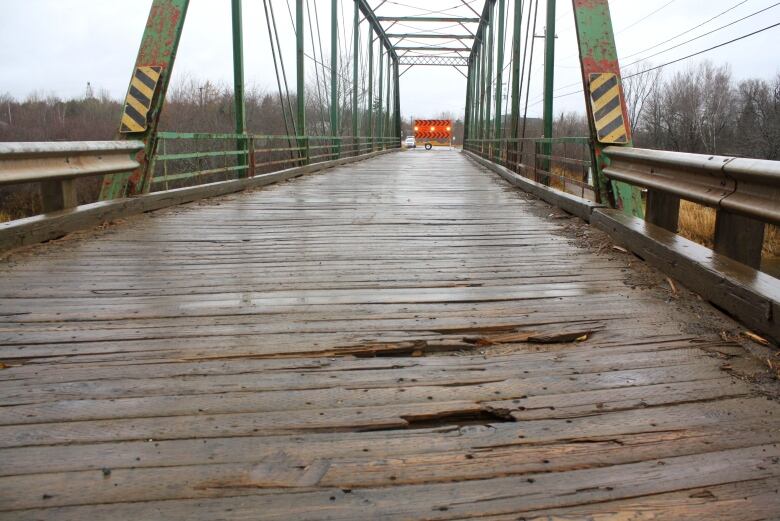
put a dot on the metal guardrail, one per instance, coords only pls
(57, 165)
(180, 159)
(744, 192)
(185, 158)
(567, 168)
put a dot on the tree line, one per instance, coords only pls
(702, 109)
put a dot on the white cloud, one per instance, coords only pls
(57, 47)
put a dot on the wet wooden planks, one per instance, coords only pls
(404, 338)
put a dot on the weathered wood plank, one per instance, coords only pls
(369, 343)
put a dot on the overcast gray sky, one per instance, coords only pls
(57, 46)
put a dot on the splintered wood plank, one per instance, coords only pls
(404, 338)
(460, 499)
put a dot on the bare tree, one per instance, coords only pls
(638, 86)
(758, 121)
(716, 105)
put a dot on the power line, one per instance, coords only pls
(646, 17)
(689, 30)
(679, 59)
(429, 11)
(704, 34)
(681, 34)
(629, 26)
(705, 50)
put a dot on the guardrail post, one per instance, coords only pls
(740, 238)
(58, 195)
(536, 161)
(663, 210)
(252, 159)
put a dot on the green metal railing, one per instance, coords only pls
(564, 163)
(186, 159)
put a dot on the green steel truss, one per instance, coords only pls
(496, 104)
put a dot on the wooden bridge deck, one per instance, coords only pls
(394, 339)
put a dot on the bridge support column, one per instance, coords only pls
(499, 81)
(481, 98)
(148, 86)
(549, 81)
(380, 119)
(300, 83)
(370, 103)
(397, 101)
(335, 129)
(238, 87)
(468, 111)
(489, 76)
(386, 130)
(602, 87)
(515, 100)
(355, 55)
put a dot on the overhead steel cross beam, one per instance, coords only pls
(432, 48)
(455, 61)
(432, 36)
(455, 19)
(371, 17)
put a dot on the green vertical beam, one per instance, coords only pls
(334, 74)
(515, 101)
(480, 91)
(355, 55)
(380, 120)
(299, 91)
(370, 103)
(238, 68)
(549, 81)
(478, 57)
(499, 76)
(397, 99)
(159, 45)
(239, 93)
(468, 111)
(386, 131)
(489, 73)
(598, 54)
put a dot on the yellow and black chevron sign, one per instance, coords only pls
(139, 99)
(607, 108)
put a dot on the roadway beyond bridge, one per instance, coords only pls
(408, 337)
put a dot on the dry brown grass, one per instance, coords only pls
(697, 223)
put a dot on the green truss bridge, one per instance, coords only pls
(321, 324)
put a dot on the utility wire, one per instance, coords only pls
(667, 4)
(563, 87)
(705, 50)
(276, 69)
(688, 30)
(428, 11)
(705, 34)
(316, 68)
(628, 26)
(679, 59)
(281, 64)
